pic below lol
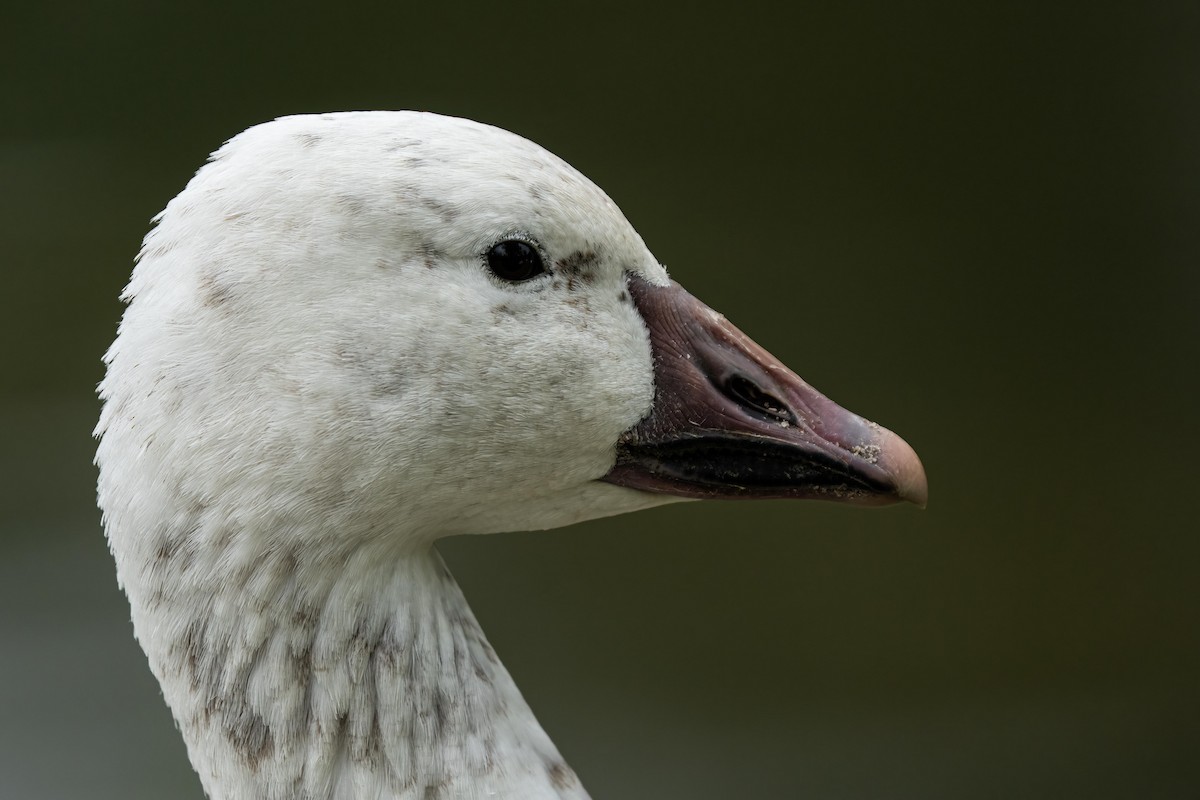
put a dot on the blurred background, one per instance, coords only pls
(975, 223)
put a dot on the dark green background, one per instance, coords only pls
(974, 223)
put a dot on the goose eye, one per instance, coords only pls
(515, 260)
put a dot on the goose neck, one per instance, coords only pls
(372, 680)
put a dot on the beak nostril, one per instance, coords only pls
(747, 394)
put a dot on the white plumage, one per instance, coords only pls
(316, 377)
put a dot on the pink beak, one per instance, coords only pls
(729, 420)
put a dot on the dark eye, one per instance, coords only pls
(515, 260)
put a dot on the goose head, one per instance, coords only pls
(352, 334)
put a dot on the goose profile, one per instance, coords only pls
(353, 334)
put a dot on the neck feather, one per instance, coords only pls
(365, 679)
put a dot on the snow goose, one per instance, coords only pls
(352, 334)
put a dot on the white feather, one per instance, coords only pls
(315, 378)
